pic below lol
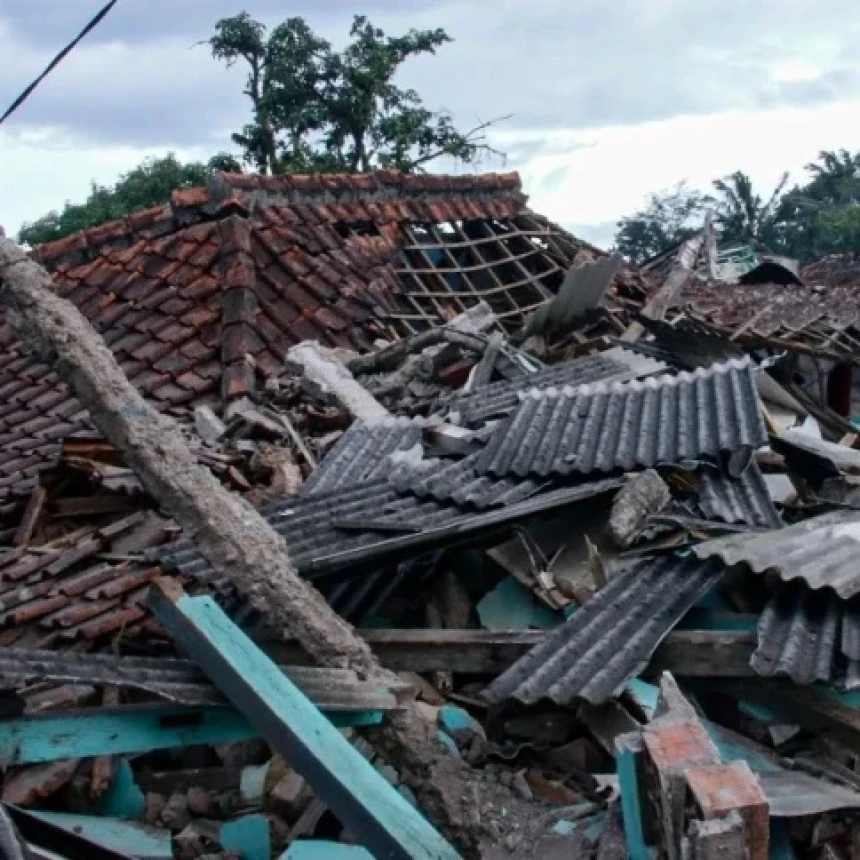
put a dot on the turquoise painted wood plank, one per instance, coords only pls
(780, 847)
(709, 619)
(645, 695)
(248, 836)
(631, 811)
(94, 732)
(123, 799)
(319, 850)
(339, 775)
(126, 837)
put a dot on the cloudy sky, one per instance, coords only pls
(609, 100)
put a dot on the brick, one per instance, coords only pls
(173, 364)
(305, 182)
(201, 288)
(61, 248)
(205, 255)
(721, 789)
(192, 382)
(680, 744)
(146, 219)
(151, 351)
(199, 317)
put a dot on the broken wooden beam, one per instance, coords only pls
(685, 653)
(339, 775)
(129, 729)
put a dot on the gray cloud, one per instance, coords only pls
(550, 63)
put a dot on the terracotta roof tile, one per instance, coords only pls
(182, 291)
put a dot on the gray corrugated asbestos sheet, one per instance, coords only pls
(458, 482)
(823, 551)
(791, 791)
(737, 500)
(809, 636)
(501, 398)
(610, 639)
(362, 454)
(603, 428)
(373, 522)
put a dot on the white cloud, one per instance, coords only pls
(594, 177)
(42, 170)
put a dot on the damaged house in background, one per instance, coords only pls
(597, 524)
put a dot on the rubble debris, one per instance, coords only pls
(642, 496)
(459, 489)
(339, 775)
(328, 377)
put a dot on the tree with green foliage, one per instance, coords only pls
(149, 184)
(823, 216)
(744, 216)
(807, 222)
(315, 109)
(669, 218)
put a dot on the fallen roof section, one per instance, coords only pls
(610, 639)
(810, 319)
(737, 500)
(500, 398)
(822, 551)
(603, 428)
(807, 635)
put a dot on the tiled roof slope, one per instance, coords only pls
(202, 296)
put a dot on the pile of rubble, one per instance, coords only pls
(605, 558)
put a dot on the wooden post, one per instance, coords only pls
(340, 776)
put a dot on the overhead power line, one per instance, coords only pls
(57, 60)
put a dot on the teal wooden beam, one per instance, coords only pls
(626, 752)
(132, 729)
(249, 837)
(340, 776)
(127, 837)
(316, 849)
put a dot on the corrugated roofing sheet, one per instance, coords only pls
(610, 639)
(603, 428)
(823, 551)
(737, 500)
(500, 398)
(361, 455)
(800, 634)
(457, 481)
(374, 522)
(791, 791)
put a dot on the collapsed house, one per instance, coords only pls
(607, 550)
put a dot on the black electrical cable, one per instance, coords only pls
(56, 61)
